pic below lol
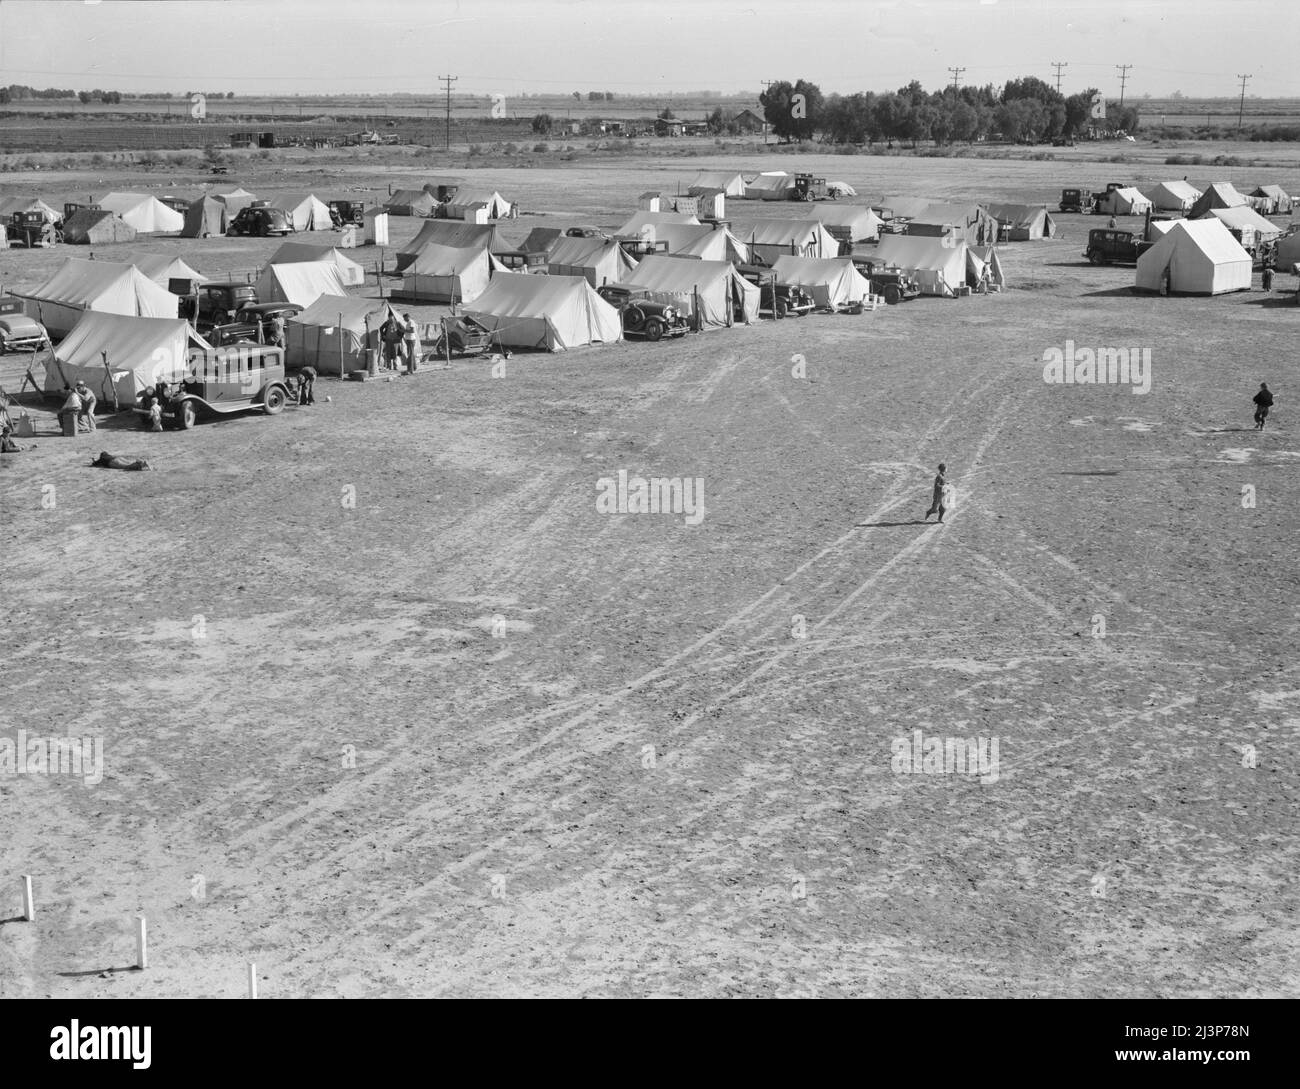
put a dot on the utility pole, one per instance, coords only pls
(1123, 79)
(956, 76)
(766, 84)
(1241, 109)
(1058, 65)
(448, 81)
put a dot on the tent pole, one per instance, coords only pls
(108, 374)
(340, 344)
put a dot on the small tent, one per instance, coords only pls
(1023, 222)
(301, 283)
(973, 223)
(854, 222)
(1173, 196)
(162, 269)
(769, 239)
(96, 227)
(1244, 217)
(832, 282)
(148, 215)
(104, 286)
(655, 219)
(733, 185)
(1123, 202)
(982, 262)
(454, 234)
(771, 185)
(487, 203)
(305, 212)
(938, 265)
(901, 207)
(411, 202)
(1200, 258)
(139, 352)
(1276, 201)
(1218, 195)
(333, 333)
(680, 280)
(1288, 251)
(235, 200)
(442, 274)
(292, 253)
(600, 260)
(206, 218)
(550, 312)
(701, 241)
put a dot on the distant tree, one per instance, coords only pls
(716, 122)
(595, 96)
(577, 95)
(964, 122)
(84, 96)
(1030, 87)
(542, 123)
(1124, 118)
(609, 96)
(230, 94)
(1078, 111)
(113, 97)
(792, 118)
(5, 96)
(666, 114)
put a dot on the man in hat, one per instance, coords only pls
(87, 413)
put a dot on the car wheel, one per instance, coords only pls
(633, 319)
(893, 296)
(273, 400)
(1095, 257)
(185, 415)
(654, 329)
(781, 308)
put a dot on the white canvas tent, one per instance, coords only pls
(301, 283)
(1173, 196)
(442, 274)
(146, 214)
(10, 205)
(770, 185)
(971, 221)
(162, 269)
(1218, 195)
(292, 253)
(858, 222)
(206, 217)
(733, 185)
(305, 211)
(550, 312)
(772, 238)
(451, 233)
(103, 286)
(655, 219)
(939, 268)
(900, 207)
(333, 333)
(139, 351)
(721, 289)
(1201, 258)
(235, 201)
(1123, 202)
(489, 203)
(983, 262)
(700, 241)
(600, 260)
(1243, 217)
(1023, 222)
(1276, 200)
(832, 282)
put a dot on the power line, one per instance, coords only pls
(1058, 65)
(448, 81)
(1123, 79)
(1241, 109)
(956, 76)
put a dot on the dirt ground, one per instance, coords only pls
(467, 735)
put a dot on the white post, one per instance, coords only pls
(252, 980)
(29, 906)
(141, 952)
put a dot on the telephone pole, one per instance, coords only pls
(766, 84)
(956, 76)
(1241, 109)
(448, 81)
(1058, 65)
(1123, 79)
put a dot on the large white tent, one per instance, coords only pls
(305, 211)
(10, 205)
(550, 312)
(139, 352)
(1243, 217)
(680, 280)
(702, 241)
(1274, 200)
(1201, 258)
(162, 269)
(832, 282)
(856, 221)
(442, 274)
(334, 333)
(235, 200)
(938, 265)
(1218, 195)
(901, 207)
(732, 184)
(971, 221)
(770, 185)
(1173, 196)
(301, 283)
(600, 260)
(769, 239)
(452, 233)
(104, 286)
(292, 253)
(146, 214)
(1023, 222)
(477, 205)
(1126, 201)
(655, 219)
(1288, 251)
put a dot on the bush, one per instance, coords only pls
(541, 147)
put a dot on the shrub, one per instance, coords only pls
(541, 147)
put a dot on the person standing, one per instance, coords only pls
(1266, 278)
(936, 503)
(411, 343)
(87, 413)
(391, 333)
(306, 386)
(1263, 402)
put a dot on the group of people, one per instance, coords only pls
(401, 340)
(79, 405)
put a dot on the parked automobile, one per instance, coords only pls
(245, 378)
(643, 316)
(895, 284)
(1076, 200)
(218, 302)
(31, 229)
(19, 333)
(250, 323)
(467, 337)
(343, 212)
(261, 221)
(1108, 246)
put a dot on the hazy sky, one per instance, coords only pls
(317, 46)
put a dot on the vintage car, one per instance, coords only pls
(260, 220)
(240, 378)
(467, 337)
(20, 333)
(642, 316)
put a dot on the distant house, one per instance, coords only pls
(650, 202)
(696, 128)
(747, 121)
(668, 128)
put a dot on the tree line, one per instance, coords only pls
(19, 92)
(1025, 110)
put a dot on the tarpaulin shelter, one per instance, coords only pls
(973, 223)
(104, 286)
(1288, 251)
(148, 215)
(600, 260)
(292, 253)
(551, 312)
(301, 283)
(1276, 201)
(1173, 196)
(938, 267)
(454, 234)
(1246, 218)
(162, 269)
(832, 282)
(411, 202)
(205, 218)
(769, 239)
(733, 185)
(856, 222)
(96, 227)
(1023, 222)
(1201, 258)
(1218, 195)
(771, 185)
(305, 211)
(139, 351)
(441, 274)
(721, 290)
(490, 203)
(334, 332)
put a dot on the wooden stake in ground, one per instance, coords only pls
(29, 906)
(141, 948)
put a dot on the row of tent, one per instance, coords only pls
(476, 205)
(1181, 196)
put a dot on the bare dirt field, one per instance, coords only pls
(470, 736)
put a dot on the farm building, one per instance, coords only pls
(600, 260)
(443, 274)
(1173, 196)
(772, 238)
(1246, 218)
(96, 227)
(549, 312)
(301, 283)
(333, 333)
(306, 211)
(454, 234)
(972, 222)
(104, 286)
(411, 202)
(1023, 222)
(832, 282)
(148, 215)
(719, 287)
(205, 218)
(292, 253)
(1199, 256)
(940, 269)
(139, 351)
(1218, 195)
(1276, 201)
(733, 185)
